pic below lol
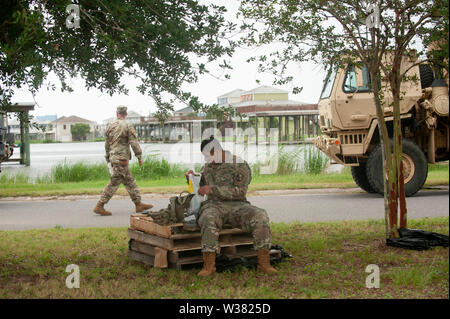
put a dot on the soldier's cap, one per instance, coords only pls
(210, 144)
(121, 109)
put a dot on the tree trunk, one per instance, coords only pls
(390, 223)
(397, 140)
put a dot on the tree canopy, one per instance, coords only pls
(322, 31)
(80, 131)
(154, 41)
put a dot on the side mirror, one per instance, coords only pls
(349, 96)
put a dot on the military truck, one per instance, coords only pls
(347, 118)
(6, 141)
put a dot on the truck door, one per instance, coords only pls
(354, 100)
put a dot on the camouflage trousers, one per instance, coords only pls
(121, 175)
(215, 215)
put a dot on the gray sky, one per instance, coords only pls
(97, 106)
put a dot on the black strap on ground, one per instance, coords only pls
(417, 239)
(224, 263)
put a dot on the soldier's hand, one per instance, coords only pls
(204, 190)
(189, 172)
(140, 162)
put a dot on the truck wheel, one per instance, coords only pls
(426, 75)
(415, 168)
(360, 177)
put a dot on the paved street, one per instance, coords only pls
(282, 206)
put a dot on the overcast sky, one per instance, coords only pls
(96, 106)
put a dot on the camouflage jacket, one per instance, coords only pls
(228, 181)
(118, 138)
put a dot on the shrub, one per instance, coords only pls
(315, 161)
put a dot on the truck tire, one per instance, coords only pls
(360, 177)
(426, 75)
(414, 164)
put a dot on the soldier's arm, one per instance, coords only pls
(237, 189)
(202, 179)
(132, 139)
(107, 146)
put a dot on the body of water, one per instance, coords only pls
(45, 156)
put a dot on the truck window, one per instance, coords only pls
(350, 82)
(328, 84)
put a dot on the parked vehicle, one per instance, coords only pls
(347, 117)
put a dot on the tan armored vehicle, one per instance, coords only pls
(347, 117)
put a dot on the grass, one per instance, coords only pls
(19, 185)
(329, 261)
(308, 160)
(315, 161)
(152, 167)
(45, 141)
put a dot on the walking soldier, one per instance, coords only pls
(118, 138)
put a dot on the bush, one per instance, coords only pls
(315, 161)
(154, 167)
(78, 172)
(14, 178)
(288, 162)
(80, 131)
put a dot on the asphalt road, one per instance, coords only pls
(282, 206)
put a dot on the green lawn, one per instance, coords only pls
(329, 261)
(437, 175)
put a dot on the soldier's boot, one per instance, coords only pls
(140, 207)
(209, 264)
(99, 209)
(264, 262)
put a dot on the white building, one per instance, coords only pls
(63, 125)
(230, 98)
(41, 127)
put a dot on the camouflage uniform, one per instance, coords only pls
(227, 204)
(119, 136)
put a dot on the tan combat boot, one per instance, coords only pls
(209, 264)
(141, 207)
(99, 209)
(264, 262)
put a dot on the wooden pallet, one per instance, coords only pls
(145, 223)
(153, 256)
(191, 241)
(173, 231)
(171, 246)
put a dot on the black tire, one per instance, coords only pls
(360, 177)
(417, 162)
(426, 75)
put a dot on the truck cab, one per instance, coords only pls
(347, 118)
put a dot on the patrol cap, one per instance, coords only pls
(210, 144)
(121, 109)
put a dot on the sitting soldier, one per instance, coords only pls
(225, 179)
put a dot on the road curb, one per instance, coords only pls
(249, 194)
